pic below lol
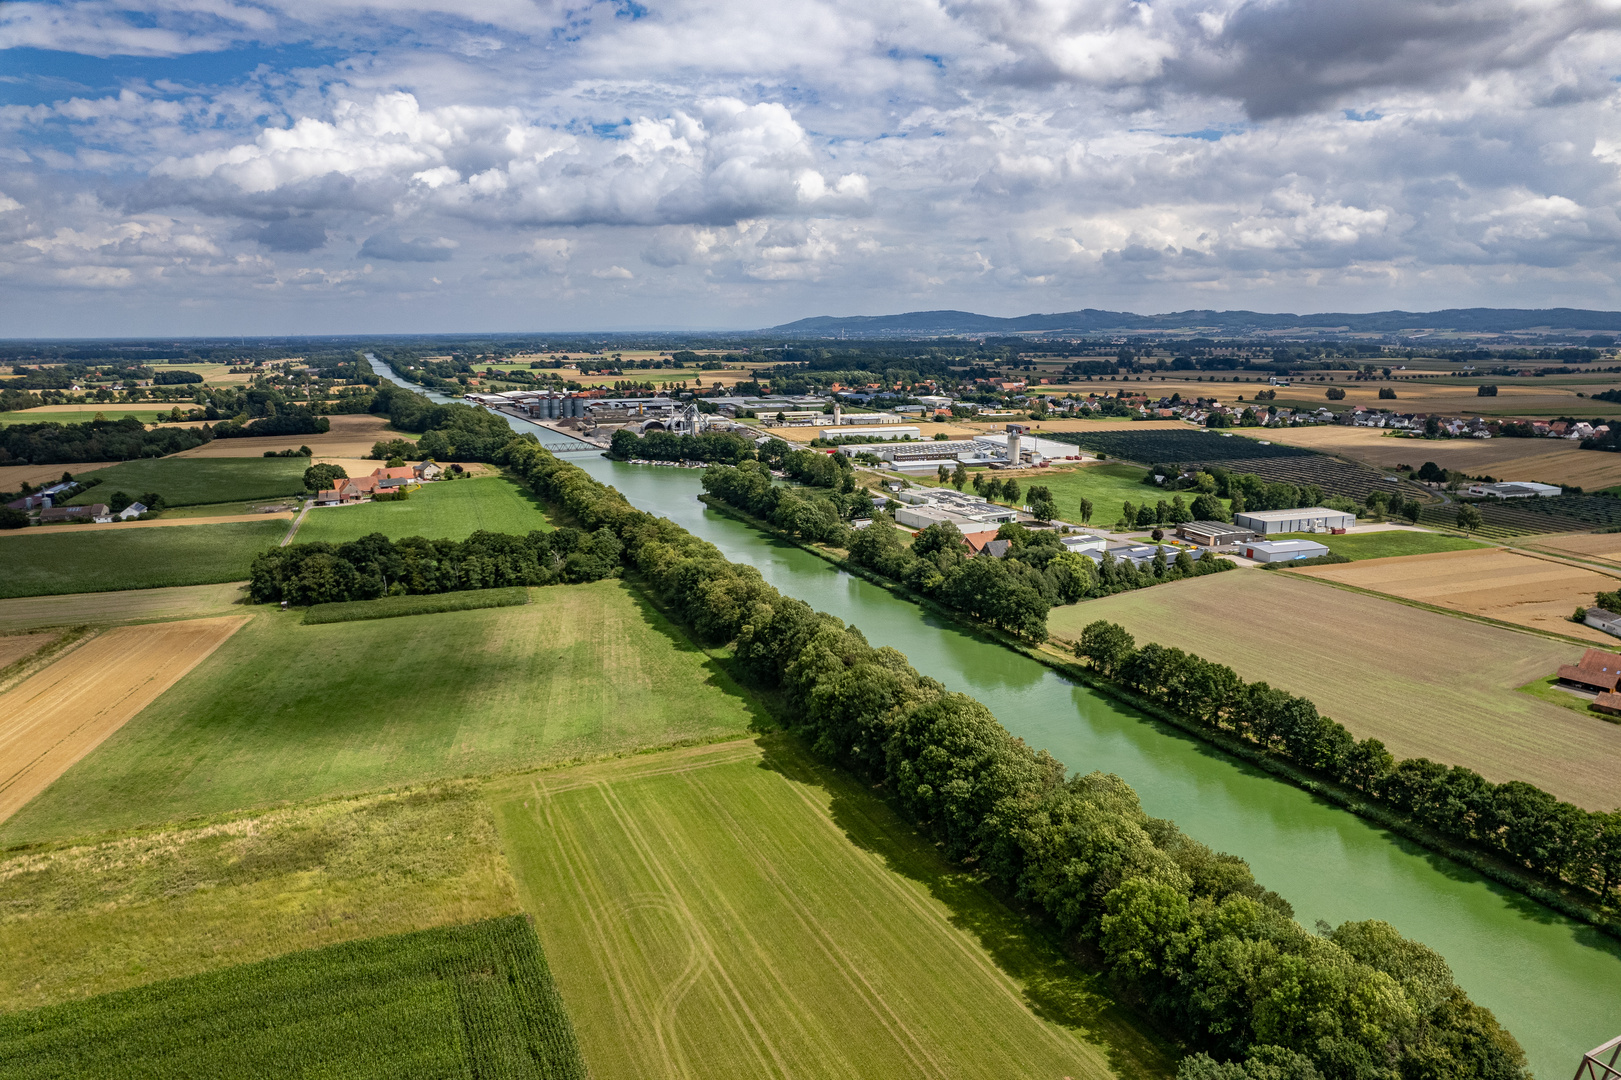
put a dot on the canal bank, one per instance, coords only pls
(1554, 982)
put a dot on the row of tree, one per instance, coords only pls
(1514, 820)
(374, 566)
(717, 446)
(1185, 932)
(95, 440)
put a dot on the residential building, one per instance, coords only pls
(133, 510)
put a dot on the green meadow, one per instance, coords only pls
(442, 510)
(196, 481)
(55, 559)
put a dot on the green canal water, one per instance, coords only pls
(1555, 983)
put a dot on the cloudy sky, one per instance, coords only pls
(330, 166)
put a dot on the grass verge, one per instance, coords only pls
(392, 607)
(460, 1001)
(1547, 689)
(111, 560)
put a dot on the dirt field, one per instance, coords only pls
(62, 713)
(106, 608)
(14, 647)
(1426, 684)
(351, 437)
(1598, 547)
(1499, 584)
(1549, 461)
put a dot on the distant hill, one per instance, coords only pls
(1094, 321)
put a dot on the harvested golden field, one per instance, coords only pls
(106, 608)
(1548, 461)
(60, 714)
(1091, 425)
(351, 436)
(12, 477)
(1426, 684)
(156, 523)
(1599, 547)
(1494, 582)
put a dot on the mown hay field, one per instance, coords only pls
(395, 607)
(442, 510)
(188, 482)
(1593, 547)
(727, 912)
(83, 559)
(448, 1003)
(1425, 683)
(1387, 543)
(13, 477)
(106, 608)
(1499, 584)
(286, 712)
(61, 713)
(90, 917)
(1548, 461)
(62, 415)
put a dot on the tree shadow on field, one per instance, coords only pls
(715, 674)
(1054, 986)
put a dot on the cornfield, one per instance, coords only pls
(474, 1000)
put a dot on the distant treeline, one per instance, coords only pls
(1184, 932)
(94, 440)
(1519, 822)
(374, 566)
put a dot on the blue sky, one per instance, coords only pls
(286, 166)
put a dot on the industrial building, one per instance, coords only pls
(1515, 489)
(1214, 533)
(1269, 551)
(886, 432)
(1310, 519)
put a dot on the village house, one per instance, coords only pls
(360, 488)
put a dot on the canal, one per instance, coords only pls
(1555, 983)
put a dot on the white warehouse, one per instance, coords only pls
(1267, 551)
(1310, 519)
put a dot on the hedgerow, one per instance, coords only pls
(1185, 932)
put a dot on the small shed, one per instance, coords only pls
(1607, 621)
(1271, 551)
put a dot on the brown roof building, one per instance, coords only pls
(1598, 670)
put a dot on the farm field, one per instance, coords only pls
(1550, 461)
(64, 711)
(100, 915)
(733, 910)
(1426, 684)
(1594, 547)
(442, 510)
(814, 431)
(287, 712)
(1499, 584)
(352, 436)
(394, 607)
(455, 1002)
(61, 414)
(104, 608)
(184, 482)
(105, 560)
(14, 647)
(12, 477)
(1045, 427)
(1387, 543)
(166, 521)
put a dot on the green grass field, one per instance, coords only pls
(109, 914)
(75, 416)
(445, 509)
(70, 559)
(289, 712)
(194, 481)
(462, 1001)
(716, 912)
(394, 607)
(1109, 486)
(1382, 545)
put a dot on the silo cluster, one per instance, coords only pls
(556, 406)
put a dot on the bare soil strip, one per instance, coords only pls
(16, 646)
(62, 713)
(107, 608)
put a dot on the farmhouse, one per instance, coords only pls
(52, 514)
(133, 510)
(1214, 533)
(1270, 551)
(1310, 519)
(1597, 670)
(357, 488)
